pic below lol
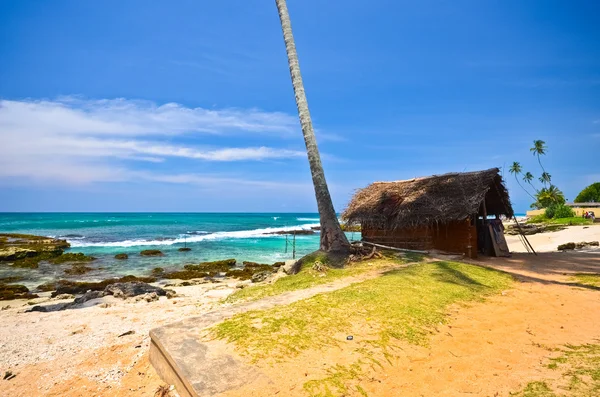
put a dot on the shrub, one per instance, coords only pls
(558, 211)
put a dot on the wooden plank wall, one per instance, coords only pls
(456, 237)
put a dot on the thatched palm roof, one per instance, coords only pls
(429, 200)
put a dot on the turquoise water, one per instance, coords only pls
(211, 236)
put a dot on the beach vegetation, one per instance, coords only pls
(402, 305)
(590, 194)
(573, 221)
(332, 238)
(309, 277)
(559, 211)
(151, 253)
(546, 195)
(592, 279)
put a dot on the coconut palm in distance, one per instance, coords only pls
(546, 178)
(528, 177)
(333, 238)
(539, 149)
(516, 170)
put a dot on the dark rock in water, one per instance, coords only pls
(80, 287)
(10, 279)
(128, 290)
(15, 291)
(212, 267)
(121, 256)
(248, 271)
(185, 275)
(277, 265)
(71, 257)
(184, 249)
(78, 269)
(254, 264)
(260, 276)
(296, 232)
(158, 271)
(151, 253)
(89, 296)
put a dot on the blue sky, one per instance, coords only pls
(188, 106)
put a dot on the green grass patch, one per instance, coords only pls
(580, 374)
(577, 220)
(535, 389)
(307, 277)
(587, 279)
(403, 304)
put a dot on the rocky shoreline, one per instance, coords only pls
(28, 251)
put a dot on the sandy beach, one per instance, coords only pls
(101, 349)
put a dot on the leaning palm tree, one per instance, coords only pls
(539, 149)
(516, 170)
(333, 238)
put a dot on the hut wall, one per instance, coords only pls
(456, 237)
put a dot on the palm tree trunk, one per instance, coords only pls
(540, 163)
(333, 238)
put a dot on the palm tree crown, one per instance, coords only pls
(515, 168)
(528, 177)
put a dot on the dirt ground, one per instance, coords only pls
(485, 349)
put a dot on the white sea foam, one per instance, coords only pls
(308, 219)
(256, 233)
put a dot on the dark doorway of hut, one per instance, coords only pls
(490, 233)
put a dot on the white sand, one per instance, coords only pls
(548, 242)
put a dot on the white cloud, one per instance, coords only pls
(80, 141)
(72, 115)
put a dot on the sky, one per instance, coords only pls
(187, 105)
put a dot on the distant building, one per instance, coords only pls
(445, 212)
(578, 208)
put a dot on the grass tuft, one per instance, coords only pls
(580, 374)
(587, 279)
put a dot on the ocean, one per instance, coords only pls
(211, 236)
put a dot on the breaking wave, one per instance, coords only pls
(256, 233)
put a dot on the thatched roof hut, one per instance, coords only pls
(428, 202)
